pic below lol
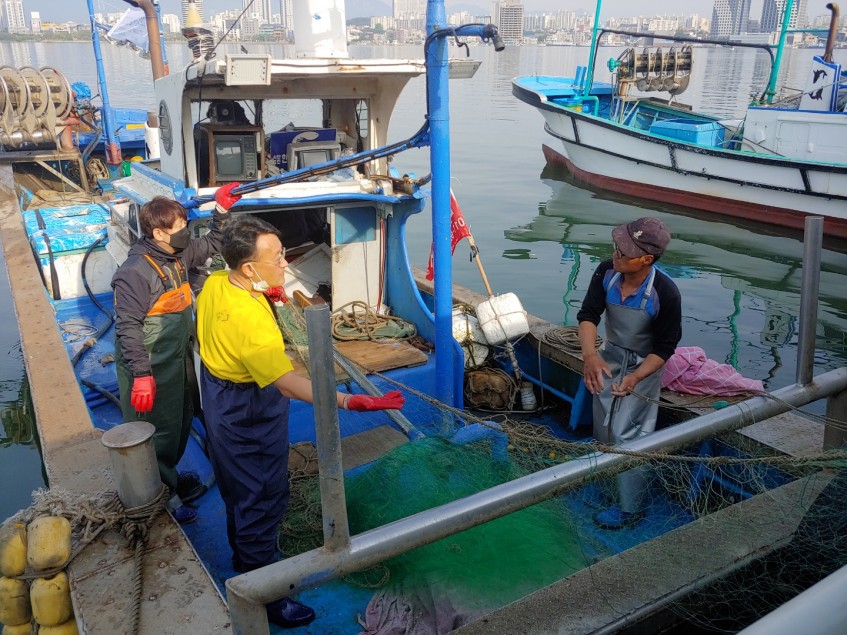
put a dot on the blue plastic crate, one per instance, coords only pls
(709, 134)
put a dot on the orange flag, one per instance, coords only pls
(458, 230)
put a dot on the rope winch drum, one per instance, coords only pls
(662, 69)
(33, 104)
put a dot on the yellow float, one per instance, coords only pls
(48, 543)
(19, 629)
(68, 628)
(13, 550)
(51, 600)
(14, 602)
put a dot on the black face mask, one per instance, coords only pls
(180, 240)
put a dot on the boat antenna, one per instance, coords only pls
(232, 26)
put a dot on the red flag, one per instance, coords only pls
(458, 230)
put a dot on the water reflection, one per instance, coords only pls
(740, 281)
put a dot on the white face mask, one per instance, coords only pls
(261, 286)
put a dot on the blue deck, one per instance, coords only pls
(338, 603)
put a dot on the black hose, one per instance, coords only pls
(98, 134)
(54, 275)
(90, 342)
(103, 391)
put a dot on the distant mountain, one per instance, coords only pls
(366, 8)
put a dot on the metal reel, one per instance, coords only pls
(60, 91)
(39, 91)
(18, 89)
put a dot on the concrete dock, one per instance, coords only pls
(179, 596)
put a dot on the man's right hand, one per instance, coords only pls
(143, 393)
(224, 196)
(594, 369)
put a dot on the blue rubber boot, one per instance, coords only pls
(615, 518)
(184, 515)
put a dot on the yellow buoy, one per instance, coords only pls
(67, 628)
(18, 629)
(51, 600)
(13, 549)
(48, 542)
(14, 602)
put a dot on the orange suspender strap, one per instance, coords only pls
(175, 300)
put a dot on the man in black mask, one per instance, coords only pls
(154, 330)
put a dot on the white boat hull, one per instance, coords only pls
(757, 187)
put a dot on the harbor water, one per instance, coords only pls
(539, 235)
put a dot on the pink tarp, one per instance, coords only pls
(690, 371)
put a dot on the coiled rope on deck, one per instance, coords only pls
(566, 338)
(90, 516)
(357, 321)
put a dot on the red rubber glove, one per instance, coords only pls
(393, 400)
(143, 393)
(224, 196)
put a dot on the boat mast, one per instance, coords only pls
(113, 148)
(589, 76)
(438, 109)
(786, 16)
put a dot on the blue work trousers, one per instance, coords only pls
(247, 429)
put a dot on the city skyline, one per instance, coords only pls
(76, 10)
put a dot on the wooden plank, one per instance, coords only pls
(371, 357)
(370, 445)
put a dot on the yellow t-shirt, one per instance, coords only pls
(239, 338)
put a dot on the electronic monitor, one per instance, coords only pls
(230, 153)
(305, 154)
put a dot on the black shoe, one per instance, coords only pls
(237, 566)
(615, 518)
(189, 487)
(289, 613)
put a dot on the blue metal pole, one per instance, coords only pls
(113, 148)
(786, 18)
(438, 107)
(589, 76)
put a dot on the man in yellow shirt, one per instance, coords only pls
(246, 383)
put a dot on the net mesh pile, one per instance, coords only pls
(460, 578)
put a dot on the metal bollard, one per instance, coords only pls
(134, 467)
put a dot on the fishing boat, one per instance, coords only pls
(783, 160)
(427, 519)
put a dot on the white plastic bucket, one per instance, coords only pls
(467, 332)
(320, 29)
(502, 318)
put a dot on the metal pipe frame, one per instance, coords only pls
(819, 610)
(248, 593)
(333, 503)
(809, 293)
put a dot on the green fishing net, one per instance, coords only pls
(478, 569)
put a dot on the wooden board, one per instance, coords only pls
(369, 445)
(371, 356)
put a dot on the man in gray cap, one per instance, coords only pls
(643, 327)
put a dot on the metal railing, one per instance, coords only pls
(342, 554)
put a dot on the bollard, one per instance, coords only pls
(134, 467)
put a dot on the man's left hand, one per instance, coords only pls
(393, 400)
(224, 196)
(626, 386)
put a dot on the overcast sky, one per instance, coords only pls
(61, 11)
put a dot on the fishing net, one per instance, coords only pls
(460, 578)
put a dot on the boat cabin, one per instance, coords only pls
(248, 117)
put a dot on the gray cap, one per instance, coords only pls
(642, 237)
